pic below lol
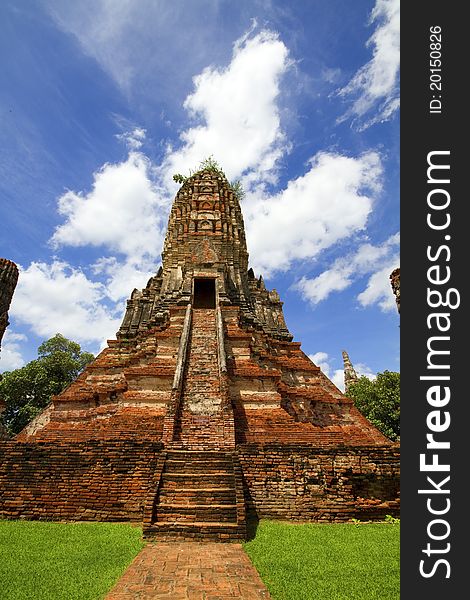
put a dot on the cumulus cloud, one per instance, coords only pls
(378, 261)
(123, 212)
(10, 354)
(235, 112)
(378, 290)
(56, 297)
(375, 86)
(327, 204)
(121, 277)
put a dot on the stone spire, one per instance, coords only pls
(395, 283)
(8, 280)
(205, 245)
(350, 375)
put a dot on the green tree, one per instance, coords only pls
(28, 390)
(379, 401)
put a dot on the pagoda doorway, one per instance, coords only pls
(204, 293)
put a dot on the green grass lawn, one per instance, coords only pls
(55, 561)
(328, 562)
(82, 561)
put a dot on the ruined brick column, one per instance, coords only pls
(350, 375)
(395, 283)
(8, 280)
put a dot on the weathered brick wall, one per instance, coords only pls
(109, 480)
(303, 483)
(89, 481)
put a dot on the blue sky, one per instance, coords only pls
(103, 101)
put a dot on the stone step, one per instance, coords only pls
(209, 525)
(203, 479)
(185, 508)
(178, 451)
(188, 496)
(179, 461)
(198, 454)
(178, 513)
(187, 466)
(196, 530)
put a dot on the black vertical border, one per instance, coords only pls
(422, 132)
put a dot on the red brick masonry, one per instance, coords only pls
(111, 480)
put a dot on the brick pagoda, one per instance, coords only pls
(8, 281)
(203, 410)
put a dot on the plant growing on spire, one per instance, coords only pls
(210, 164)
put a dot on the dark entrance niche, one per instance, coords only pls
(204, 293)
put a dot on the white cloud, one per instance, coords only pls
(319, 358)
(56, 297)
(375, 86)
(323, 360)
(363, 370)
(133, 139)
(379, 261)
(10, 354)
(150, 48)
(100, 26)
(327, 204)
(379, 290)
(123, 212)
(123, 277)
(235, 109)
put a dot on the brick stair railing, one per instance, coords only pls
(199, 496)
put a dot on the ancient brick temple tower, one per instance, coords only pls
(8, 281)
(203, 408)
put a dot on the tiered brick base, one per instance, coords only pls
(114, 481)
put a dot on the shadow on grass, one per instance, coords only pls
(252, 522)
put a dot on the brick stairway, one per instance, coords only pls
(199, 424)
(199, 496)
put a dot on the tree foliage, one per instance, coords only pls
(379, 401)
(26, 391)
(210, 164)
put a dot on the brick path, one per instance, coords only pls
(190, 571)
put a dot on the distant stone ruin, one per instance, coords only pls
(350, 375)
